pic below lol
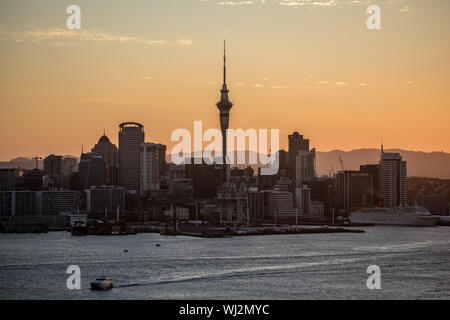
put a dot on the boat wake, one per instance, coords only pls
(237, 272)
(399, 247)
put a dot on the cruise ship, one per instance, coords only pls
(400, 216)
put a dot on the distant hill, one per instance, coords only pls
(25, 163)
(420, 164)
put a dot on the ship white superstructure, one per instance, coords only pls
(402, 216)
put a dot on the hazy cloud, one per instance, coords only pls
(273, 86)
(289, 3)
(65, 37)
(236, 3)
(405, 9)
(185, 42)
(308, 3)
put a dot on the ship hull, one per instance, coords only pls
(99, 287)
(102, 285)
(392, 219)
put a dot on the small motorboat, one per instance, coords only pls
(104, 283)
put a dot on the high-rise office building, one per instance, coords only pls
(303, 200)
(105, 199)
(354, 190)
(17, 203)
(149, 167)
(53, 165)
(393, 174)
(206, 178)
(69, 165)
(53, 202)
(32, 179)
(91, 170)
(7, 179)
(110, 154)
(162, 149)
(305, 167)
(323, 190)
(296, 144)
(131, 136)
(281, 206)
(283, 167)
(301, 162)
(374, 171)
(266, 182)
(255, 205)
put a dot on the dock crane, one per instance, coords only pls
(36, 159)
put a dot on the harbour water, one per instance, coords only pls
(414, 262)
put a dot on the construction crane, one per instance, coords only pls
(342, 163)
(36, 159)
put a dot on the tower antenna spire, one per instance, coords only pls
(224, 63)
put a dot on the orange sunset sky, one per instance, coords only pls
(307, 66)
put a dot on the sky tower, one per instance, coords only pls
(224, 106)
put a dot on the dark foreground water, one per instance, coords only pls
(414, 262)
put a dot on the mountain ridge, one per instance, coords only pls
(435, 164)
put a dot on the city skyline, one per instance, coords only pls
(188, 152)
(390, 85)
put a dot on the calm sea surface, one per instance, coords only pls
(414, 262)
